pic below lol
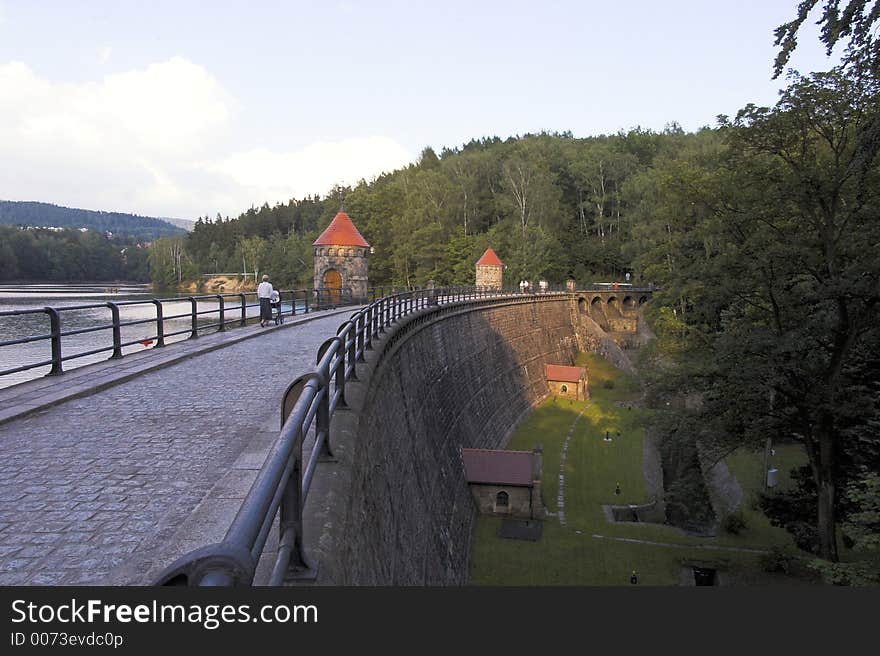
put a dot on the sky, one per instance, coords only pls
(184, 109)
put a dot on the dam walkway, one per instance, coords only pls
(111, 470)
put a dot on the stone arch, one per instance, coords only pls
(612, 307)
(332, 282)
(629, 302)
(502, 502)
(643, 300)
(597, 312)
(582, 305)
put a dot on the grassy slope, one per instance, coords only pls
(570, 555)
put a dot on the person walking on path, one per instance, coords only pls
(264, 293)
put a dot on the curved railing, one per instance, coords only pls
(166, 321)
(282, 485)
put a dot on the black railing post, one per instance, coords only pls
(55, 328)
(290, 521)
(322, 424)
(243, 310)
(352, 349)
(160, 323)
(340, 373)
(117, 332)
(195, 318)
(360, 330)
(305, 301)
(368, 327)
(222, 326)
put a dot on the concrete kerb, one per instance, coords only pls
(49, 395)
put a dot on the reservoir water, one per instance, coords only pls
(23, 297)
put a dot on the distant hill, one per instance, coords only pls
(144, 228)
(186, 224)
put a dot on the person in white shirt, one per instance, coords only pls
(264, 293)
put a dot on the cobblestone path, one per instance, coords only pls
(89, 487)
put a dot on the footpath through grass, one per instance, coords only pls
(570, 555)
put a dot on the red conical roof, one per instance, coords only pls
(489, 259)
(341, 232)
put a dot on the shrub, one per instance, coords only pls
(776, 561)
(608, 384)
(734, 522)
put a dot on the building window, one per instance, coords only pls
(502, 500)
(565, 389)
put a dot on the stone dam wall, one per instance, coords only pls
(447, 378)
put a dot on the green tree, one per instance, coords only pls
(787, 306)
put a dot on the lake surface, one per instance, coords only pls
(84, 306)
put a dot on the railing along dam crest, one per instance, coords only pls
(282, 485)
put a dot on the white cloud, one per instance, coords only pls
(273, 176)
(153, 141)
(104, 53)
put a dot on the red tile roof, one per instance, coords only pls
(563, 373)
(489, 259)
(341, 232)
(497, 467)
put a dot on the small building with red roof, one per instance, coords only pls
(505, 482)
(490, 271)
(568, 382)
(341, 254)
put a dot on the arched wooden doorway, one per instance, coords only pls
(333, 285)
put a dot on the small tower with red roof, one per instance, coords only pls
(341, 258)
(490, 271)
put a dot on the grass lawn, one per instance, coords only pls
(571, 555)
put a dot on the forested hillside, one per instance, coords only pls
(69, 255)
(34, 214)
(550, 205)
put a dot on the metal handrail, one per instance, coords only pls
(283, 483)
(307, 300)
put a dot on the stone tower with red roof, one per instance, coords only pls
(490, 271)
(341, 255)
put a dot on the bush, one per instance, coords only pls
(776, 561)
(608, 384)
(734, 522)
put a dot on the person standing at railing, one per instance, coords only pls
(264, 293)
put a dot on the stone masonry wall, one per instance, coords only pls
(519, 502)
(463, 380)
(489, 277)
(350, 261)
